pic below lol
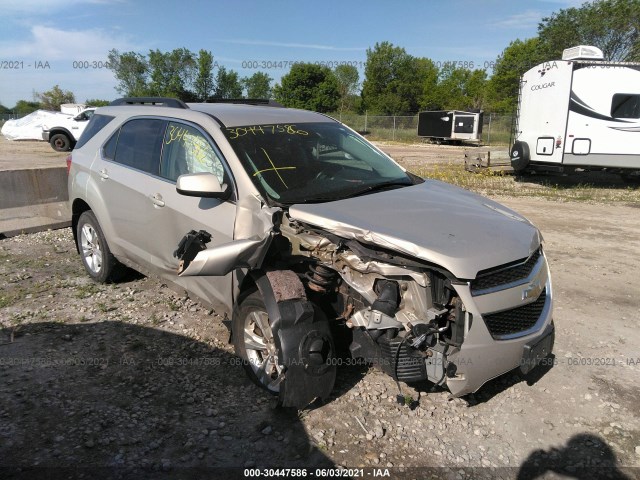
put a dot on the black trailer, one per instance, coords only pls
(449, 125)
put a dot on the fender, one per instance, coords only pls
(54, 130)
(303, 339)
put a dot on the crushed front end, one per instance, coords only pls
(415, 320)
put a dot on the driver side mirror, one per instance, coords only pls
(202, 184)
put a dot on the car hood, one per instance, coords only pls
(433, 221)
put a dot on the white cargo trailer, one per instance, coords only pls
(579, 112)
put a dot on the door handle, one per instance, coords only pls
(103, 174)
(156, 199)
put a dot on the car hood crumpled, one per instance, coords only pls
(433, 221)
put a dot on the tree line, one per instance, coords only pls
(395, 82)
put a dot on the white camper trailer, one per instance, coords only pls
(579, 112)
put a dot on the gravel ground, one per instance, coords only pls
(132, 380)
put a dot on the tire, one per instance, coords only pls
(632, 178)
(253, 342)
(96, 256)
(520, 156)
(61, 142)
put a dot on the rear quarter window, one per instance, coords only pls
(96, 123)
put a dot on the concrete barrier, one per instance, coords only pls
(33, 200)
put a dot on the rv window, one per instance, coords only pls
(625, 105)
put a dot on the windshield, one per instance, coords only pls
(312, 162)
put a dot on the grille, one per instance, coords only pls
(517, 319)
(504, 275)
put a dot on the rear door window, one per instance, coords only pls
(139, 144)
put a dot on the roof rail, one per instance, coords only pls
(157, 101)
(248, 101)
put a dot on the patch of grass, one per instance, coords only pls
(557, 188)
(85, 291)
(6, 301)
(174, 307)
(106, 308)
(154, 319)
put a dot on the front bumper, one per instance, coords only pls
(487, 353)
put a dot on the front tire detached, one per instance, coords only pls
(96, 256)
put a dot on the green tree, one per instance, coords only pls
(171, 73)
(393, 80)
(131, 70)
(94, 102)
(4, 110)
(52, 99)
(310, 87)
(429, 99)
(347, 77)
(228, 84)
(203, 86)
(611, 25)
(504, 84)
(460, 88)
(258, 85)
(24, 107)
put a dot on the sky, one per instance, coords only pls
(65, 42)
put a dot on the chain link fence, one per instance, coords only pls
(8, 116)
(496, 129)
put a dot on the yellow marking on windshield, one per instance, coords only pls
(274, 169)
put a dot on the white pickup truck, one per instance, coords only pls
(62, 131)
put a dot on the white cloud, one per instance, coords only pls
(20, 84)
(60, 48)
(43, 8)
(525, 20)
(265, 43)
(51, 44)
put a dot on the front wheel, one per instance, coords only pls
(253, 342)
(60, 142)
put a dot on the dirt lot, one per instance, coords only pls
(29, 154)
(134, 381)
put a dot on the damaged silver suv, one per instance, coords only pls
(310, 237)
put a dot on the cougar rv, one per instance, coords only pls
(579, 112)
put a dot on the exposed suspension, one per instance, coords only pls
(321, 278)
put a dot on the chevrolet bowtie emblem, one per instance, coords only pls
(533, 290)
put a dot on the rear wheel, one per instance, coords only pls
(97, 259)
(632, 178)
(60, 142)
(254, 343)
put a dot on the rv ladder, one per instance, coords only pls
(515, 121)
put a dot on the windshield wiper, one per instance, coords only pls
(342, 195)
(379, 187)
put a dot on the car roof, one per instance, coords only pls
(235, 115)
(228, 114)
